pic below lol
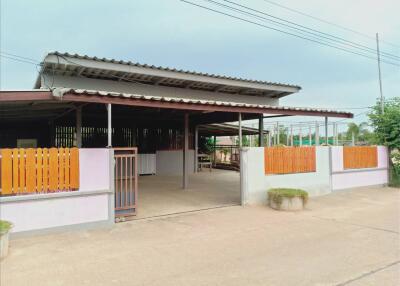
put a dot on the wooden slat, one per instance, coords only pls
(53, 169)
(358, 157)
(39, 170)
(74, 168)
(30, 168)
(61, 170)
(15, 168)
(45, 170)
(6, 172)
(287, 160)
(22, 170)
(67, 169)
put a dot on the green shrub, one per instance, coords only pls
(277, 195)
(5, 226)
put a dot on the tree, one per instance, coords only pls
(387, 131)
(360, 131)
(387, 125)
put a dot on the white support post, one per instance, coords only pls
(300, 137)
(277, 134)
(316, 133)
(196, 148)
(185, 177)
(79, 127)
(291, 136)
(287, 137)
(309, 136)
(353, 141)
(109, 126)
(240, 130)
(326, 130)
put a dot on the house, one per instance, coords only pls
(74, 146)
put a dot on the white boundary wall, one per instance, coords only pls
(329, 176)
(170, 162)
(92, 203)
(344, 179)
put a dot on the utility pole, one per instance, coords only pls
(379, 70)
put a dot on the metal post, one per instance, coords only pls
(287, 137)
(309, 136)
(215, 151)
(261, 131)
(291, 136)
(185, 179)
(316, 134)
(277, 134)
(196, 148)
(109, 126)
(335, 134)
(240, 130)
(379, 70)
(352, 139)
(300, 137)
(79, 127)
(326, 130)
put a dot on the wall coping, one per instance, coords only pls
(50, 196)
(360, 170)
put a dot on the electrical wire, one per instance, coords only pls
(313, 31)
(285, 32)
(329, 22)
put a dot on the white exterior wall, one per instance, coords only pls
(258, 183)
(92, 203)
(129, 87)
(170, 163)
(345, 179)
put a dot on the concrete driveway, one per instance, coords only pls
(346, 238)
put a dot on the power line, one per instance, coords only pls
(17, 56)
(313, 31)
(328, 22)
(285, 32)
(19, 60)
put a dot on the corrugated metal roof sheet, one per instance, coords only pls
(169, 69)
(59, 92)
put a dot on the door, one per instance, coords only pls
(125, 182)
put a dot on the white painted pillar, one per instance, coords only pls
(109, 126)
(316, 134)
(79, 127)
(326, 130)
(309, 136)
(185, 177)
(353, 141)
(277, 134)
(240, 130)
(300, 137)
(291, 136)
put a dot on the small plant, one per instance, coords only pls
(277, 195)
(5, 226)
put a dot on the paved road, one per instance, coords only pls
(346, 238)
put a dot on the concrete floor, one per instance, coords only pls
(345, 238)
(161, 195)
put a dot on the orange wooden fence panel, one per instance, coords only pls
(287, 160)
(6, 171)
(39, 170)
(74, 168)
(358, 157)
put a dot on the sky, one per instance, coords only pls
(175, 34)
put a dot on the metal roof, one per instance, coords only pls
(192, 104)
(111, 69)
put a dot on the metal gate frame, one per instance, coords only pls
(126, 181)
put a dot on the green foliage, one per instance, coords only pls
(5, 226)
(276, 195)
(387, 125)
(360, 131)
(387, 132)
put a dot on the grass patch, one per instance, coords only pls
(277, 195)
(5, 226)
